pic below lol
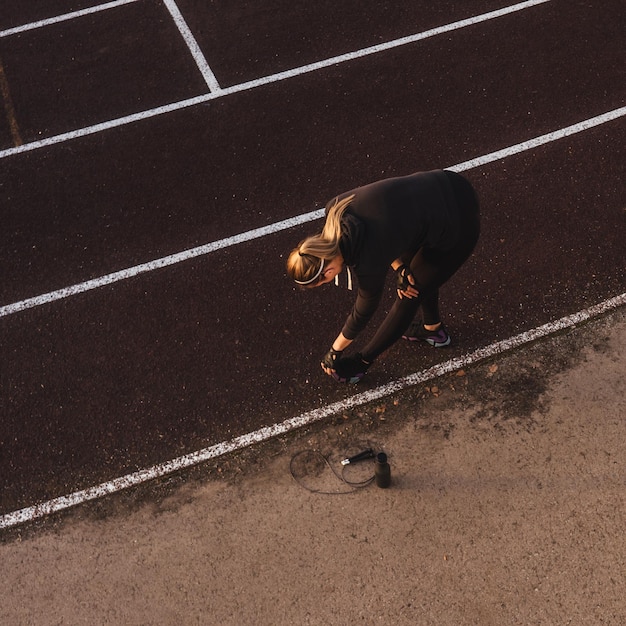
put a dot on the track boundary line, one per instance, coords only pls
(31, 513)
(248, 85)
(64, 18)
(131, 272)
(194, 48)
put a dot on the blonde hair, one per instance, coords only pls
(304, 263)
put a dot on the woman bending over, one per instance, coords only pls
(424, 226)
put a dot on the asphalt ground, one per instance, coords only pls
(166, 362)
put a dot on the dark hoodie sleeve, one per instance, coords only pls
(367, 301)
(371, 284)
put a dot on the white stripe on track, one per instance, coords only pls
(173, 259)
(193, 46)
(170, 5)
(31, 513)
(389, 45)
(175, 106)
(158, 263)
(63, 18)
(531, 144)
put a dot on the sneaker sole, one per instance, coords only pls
(430, 342)
(438, 344)
(353, 380)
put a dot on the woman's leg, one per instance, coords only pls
(395, 323)
(430, 272)
(431, 269)
(434, 266)
(429, 308)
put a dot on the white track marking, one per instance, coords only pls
(130, 272)
(108, 125)
(31, 513)
(170, 5)
(389, 45)
(193, 46)
(218, 93)
(541, 140)
(158, 263)
(63, 18)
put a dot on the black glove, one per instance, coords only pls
(351, 369)
(330, 359)
(403, 282)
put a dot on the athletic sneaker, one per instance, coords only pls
(436, 338)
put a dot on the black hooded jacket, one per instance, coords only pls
(390, 219)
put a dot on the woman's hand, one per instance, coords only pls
(329, 361)
(405, 284)
(344, 370)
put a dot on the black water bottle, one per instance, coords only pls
(382, 471)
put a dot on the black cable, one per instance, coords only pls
(354, 485)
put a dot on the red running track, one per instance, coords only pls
(121, 377)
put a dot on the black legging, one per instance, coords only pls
(431, 269)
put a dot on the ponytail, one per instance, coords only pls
(305, 263)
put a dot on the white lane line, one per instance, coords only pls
(389, 45)
(64, 17)
(158, 263)
(336, 60)
(31, 513)
(109, 124)
(531, 144)
(256, 233)
(193, 46)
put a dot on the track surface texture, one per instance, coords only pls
(142, 370)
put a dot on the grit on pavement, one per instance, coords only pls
(506, 507)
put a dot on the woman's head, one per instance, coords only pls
(311, 270)
(317, 259)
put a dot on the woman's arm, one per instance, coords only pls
(341, 343)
